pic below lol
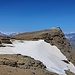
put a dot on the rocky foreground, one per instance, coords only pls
(21, 65)
(17, 64)
(24, 65)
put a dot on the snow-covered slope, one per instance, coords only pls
(50, 55)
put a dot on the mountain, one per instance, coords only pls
(51, 51)
(70, 35)
(71, 38)
(8, 33)
(2, 34)
(52, 58)
(54, 36)
(12, 34)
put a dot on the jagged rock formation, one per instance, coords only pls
(54, 36)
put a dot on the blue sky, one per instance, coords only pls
(31, 15)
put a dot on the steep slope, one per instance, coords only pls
(54, 36)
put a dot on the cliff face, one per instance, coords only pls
(54, 36)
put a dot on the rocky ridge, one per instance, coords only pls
(54, 36)
(27, 65)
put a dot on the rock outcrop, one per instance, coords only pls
(23, 62)
(4, 39)
(21, 65)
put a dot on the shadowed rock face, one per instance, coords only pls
(5, 40)
(54, 36)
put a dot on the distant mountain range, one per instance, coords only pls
(7, 34)
(2, 34)
(70, 35)
(71, 38)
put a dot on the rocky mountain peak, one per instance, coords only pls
(54, 36)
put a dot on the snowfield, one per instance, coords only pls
(50, 55)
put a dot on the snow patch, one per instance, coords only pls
(50, 55)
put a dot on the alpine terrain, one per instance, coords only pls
(44, 52)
